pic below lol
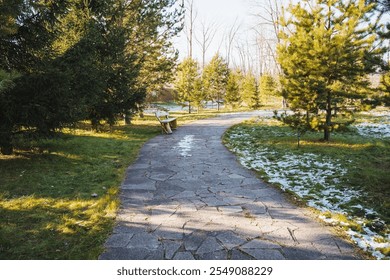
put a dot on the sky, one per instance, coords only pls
(222, 13)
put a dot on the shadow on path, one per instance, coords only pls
(187, 197)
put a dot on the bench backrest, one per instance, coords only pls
(162, 115)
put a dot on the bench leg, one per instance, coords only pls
(166, 128)
(173, 124)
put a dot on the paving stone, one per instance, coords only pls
(185, 194)
(235, 176)
(332, 248)
(157, 254)
(209, 245)
(230, 240)
(260, 244)
(240, 256)
(145, 241)
(125, 254)
(227, 210)
(184, 256)
(171, 233)
(192, 242)
(161, 175)
(284, 236)
(216, 255)
(213, 201)
(253, 182)
(119, 240)
(264, 254)
(255, 208)
(234, 200)
(171, 248)
(134, 195)
(199, 204)
(139, 184)
(138, 166)
(136, 175)
(303, 253)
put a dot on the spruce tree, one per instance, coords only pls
(233, 97)
(215, 78)
(187, 79)
(250, 91)
(326, 51)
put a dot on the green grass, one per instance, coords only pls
(46, 206)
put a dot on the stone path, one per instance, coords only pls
(187, 197)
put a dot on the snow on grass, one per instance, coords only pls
(310, 176)
(377, 130)
(317, 179)
(380, 128)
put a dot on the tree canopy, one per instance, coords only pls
(81, 59)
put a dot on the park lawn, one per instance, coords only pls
(47, 188)
(346, 180)
(47, 208)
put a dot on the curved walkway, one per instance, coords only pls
(187, 197)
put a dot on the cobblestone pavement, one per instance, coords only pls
(186, 197)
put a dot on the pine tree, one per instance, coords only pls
(250, 91)
(385, 89)
(186, 84)
(215, 78)
(268, 87)
(325, 59)
(27, 32)
(233, 96)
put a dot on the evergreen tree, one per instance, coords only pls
(325, 59)
(28, 29)
(385, 89)
(81, 59)
(187, 81)
(267, 88)
(250, 91)
(215, 78)
(233, 96)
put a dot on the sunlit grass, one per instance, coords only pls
(48, 208)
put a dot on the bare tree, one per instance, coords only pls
(270, 13)
(230, 37)
(266, 47)
(206, 37)
(268, 30)
(192, 14)
(246, 57)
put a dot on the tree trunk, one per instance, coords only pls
(127, 119)
(6, 147)
(328, 122)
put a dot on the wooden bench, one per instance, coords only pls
(167, 123)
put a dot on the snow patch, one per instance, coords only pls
(376, 130)
(185, 145)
